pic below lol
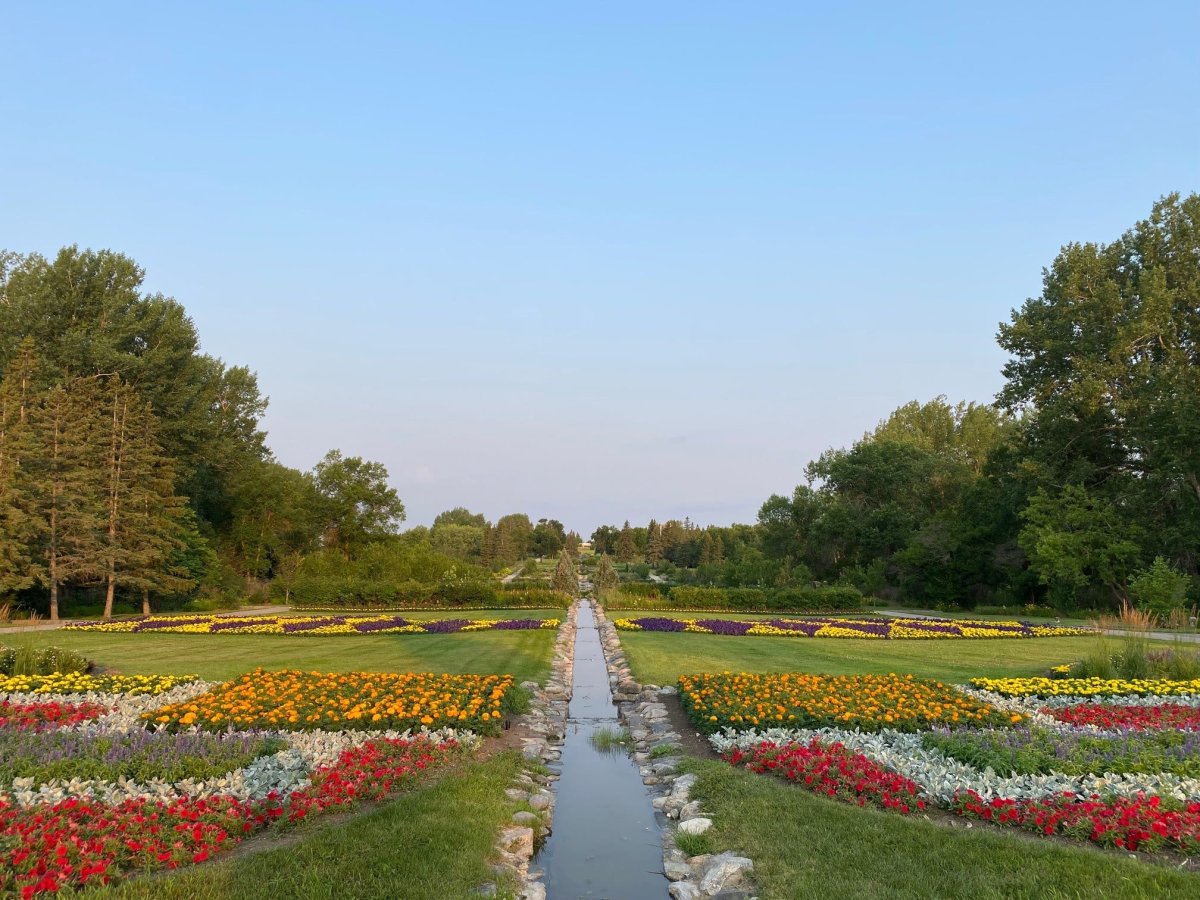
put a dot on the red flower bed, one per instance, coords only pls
(372, 771)
(1130, 823)
(80, 842)
(44, 716)
(832, 770)
(1164, 717)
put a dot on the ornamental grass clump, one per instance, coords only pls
(744, 701)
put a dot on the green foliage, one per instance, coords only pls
(566, 578)
(1158, 589)
(832, 598)
(1039, 751)
(1075, 540)
(31, 660)
(358, 507)
(605, 579)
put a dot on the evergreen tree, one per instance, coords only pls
(625, 545)
(19, 521)
(68, 493)
(143, 513)
(605, 578)
(654, 543)
(565, 578)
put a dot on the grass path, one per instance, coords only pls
(660, 658)
(433, 843)
(523, 654)
(808, 846)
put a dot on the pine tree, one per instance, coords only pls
(605, 578)
(565, 578)
(625, 545)
(707, 549)
(20, 524)
(143, 513)
(654, 543)
(67, 487)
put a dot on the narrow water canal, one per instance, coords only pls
(605, 844)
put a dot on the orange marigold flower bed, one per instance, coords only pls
(302, 701)
(744, 701)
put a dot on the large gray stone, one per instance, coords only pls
(724, 871)
(684, 890)
(517, 840)
(698, 825)
(676, 870)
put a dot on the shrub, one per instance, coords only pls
(29, 660)
(1158, 589)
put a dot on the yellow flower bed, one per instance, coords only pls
(743, 701)
(79, 683)
(299, 701)
(305, 625)
(1087, 687)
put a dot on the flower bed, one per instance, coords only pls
(307, 625)
(832, 770)
(1086, 687)
(135, 755)
(1039, 751)
(1124, 775)
(81, 842)
(870, 628)
(1140, 823)
(870, 702)
(1165, 716)
(291, 700)
(46, 715)
(77, 683)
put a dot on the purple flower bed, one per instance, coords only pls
(312, 624)
(725, 626)
(1033, 750)
(445, 626)
(138, 755)
(516, 625)
(148, 624)
(868, 627)
(381, 625)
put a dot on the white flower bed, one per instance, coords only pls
(940, 776)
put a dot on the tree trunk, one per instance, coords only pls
(109, 593)
(145, 601)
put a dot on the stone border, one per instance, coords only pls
(721, 875)
(546, 725)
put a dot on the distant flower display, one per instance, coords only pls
(869, 628)
(307, 625)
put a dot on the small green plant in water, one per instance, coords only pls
(611, 740)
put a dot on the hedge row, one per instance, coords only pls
(333, 592)
(818, 599)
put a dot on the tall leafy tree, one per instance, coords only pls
(359, 505)
(1106, 362)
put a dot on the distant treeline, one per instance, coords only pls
(1079, 487)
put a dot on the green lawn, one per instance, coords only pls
(524, 654)
(660, 658)
(808, 846)
(432, 844)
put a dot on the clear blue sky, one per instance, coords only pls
(594, 261)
